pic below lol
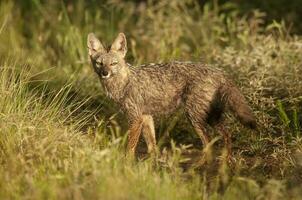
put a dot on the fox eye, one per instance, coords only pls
(113, 63)
(99, 64)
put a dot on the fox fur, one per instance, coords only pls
(146, 91)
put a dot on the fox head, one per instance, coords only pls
(108, 63)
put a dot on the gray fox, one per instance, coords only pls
(202, 91)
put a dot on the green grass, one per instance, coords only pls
(62, 138)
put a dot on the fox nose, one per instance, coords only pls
(105, 73)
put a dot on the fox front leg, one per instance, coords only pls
(149, 132)
(135, 130)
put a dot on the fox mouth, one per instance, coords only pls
(105, 77)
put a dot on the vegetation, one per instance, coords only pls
(62, 138)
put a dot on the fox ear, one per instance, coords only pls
(120, 45)
(94, 45)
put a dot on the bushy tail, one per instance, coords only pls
(238, 105)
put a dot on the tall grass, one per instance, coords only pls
(61, 138)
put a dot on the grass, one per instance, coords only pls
(61, 138)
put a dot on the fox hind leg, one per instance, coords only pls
(227, 139)
(201, 133)
(200, 130)
(196, 110)
(198, 100)
(198, 123)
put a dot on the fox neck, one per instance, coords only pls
(115, 86)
